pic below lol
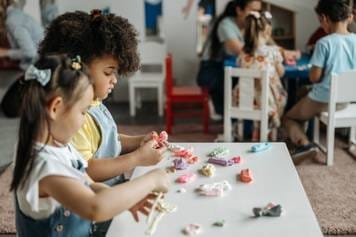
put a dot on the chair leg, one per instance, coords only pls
(132, 99)
(168, 117)
(330, 144)
(264, 130)
(206, 115)
(316, 137)
(227, 126)
(352, 138)
(160, 100)
(240, 130)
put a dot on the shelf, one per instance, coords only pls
(283, 37)
(283, 21)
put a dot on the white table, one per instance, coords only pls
(275, 180)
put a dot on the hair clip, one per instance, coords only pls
(255, 14)
(268, 15)
(76, 63)
(95, 13)
(42, 76)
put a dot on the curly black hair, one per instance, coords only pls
(336, 10)
(91, 36)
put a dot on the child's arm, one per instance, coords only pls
(103, 169)
(278, 61)
(107, 202)
(131, 143)
(315, 74)
(234, 45)
(280, 69)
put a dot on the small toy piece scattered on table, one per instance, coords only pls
(161, 208)
(220, 161)
(208, 170)
(184, 153)
(245, 176)
(260, 147)
(192, 229)
(186, 178)
(269, 210)
(236, 160)
(220, 223)
(215, 189)
(219, 152)
(218, 157)
(180, 164)
(181, 190)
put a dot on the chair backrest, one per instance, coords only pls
(169, 75)
(246, 107)
(342, 87)
(152, 53)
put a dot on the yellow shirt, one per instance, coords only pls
(87, 139)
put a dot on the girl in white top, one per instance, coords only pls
(54, 195)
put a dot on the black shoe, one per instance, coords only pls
(304, 152)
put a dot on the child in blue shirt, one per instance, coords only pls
(334, 53)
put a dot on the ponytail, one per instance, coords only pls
(255, 23)
(33, 116)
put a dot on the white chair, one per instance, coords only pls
(245, 109)
(152, 54)
(341, 91)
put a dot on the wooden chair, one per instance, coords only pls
(184, 95)
(341, 91)
(152, 54)
(245, 110)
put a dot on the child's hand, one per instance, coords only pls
(144, 206)
(148, 154)
(148, 137)
(161, 180)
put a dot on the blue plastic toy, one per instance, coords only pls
(260, 147)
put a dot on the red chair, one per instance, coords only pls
(185, 96)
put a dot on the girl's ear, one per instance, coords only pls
(55, 107)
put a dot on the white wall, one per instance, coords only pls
(180, 33)
(180, 37)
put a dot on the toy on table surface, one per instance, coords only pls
(208, 170)
(260, 147)
(245, 176)
(218, 156)
(186, 178)
(269, 210)
(192, 229)
(215, 189)
(159, 209)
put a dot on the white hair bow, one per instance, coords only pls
(267, 14)
(42, 76)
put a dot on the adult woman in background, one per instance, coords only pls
(225, 39)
